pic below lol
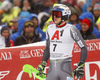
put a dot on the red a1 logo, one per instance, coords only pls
(56, 35)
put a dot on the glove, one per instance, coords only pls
(40, 74)
(79, 70)
(42, 66)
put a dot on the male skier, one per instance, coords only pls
(60, 38)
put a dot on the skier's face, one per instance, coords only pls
(56, 16)
(57, 20)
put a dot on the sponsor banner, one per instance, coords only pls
(13, 59)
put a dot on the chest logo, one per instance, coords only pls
(56, 35)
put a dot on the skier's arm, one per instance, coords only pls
(75, 34)
(46, 54)
(45, 57)
(79, 70)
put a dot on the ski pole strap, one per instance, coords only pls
(81, 63)
(43, 63)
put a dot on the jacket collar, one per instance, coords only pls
(61, 25)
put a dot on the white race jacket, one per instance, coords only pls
(60, 42)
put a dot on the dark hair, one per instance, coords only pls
(4, 28)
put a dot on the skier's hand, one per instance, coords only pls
(41, 67)
(79, 70)
(39, 74)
